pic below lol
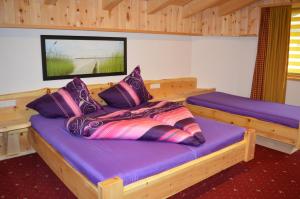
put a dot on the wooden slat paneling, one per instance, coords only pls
(132, 16)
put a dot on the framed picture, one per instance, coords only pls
(65, 57)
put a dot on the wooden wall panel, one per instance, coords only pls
(130, 16)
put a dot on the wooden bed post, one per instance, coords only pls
(250, 138)
(111, 188)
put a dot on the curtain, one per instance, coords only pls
(270, 74)
(258, 76)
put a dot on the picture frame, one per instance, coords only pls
(65, 57)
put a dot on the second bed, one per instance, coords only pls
(271, 120)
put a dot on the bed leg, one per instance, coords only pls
(250, 138)
(110, 189)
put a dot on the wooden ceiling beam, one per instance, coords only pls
(182, 2)
(233, 5)
(50, 2)
(196, 6)
(154, 5)
(110, 4)
(157, 5)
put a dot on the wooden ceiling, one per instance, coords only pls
(190, 7)
(188, 17)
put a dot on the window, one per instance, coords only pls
(294, 50)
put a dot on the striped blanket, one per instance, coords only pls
(156, 121)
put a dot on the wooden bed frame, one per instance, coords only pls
(270, 130)
(161, 185)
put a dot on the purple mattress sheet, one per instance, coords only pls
(131, 160)
(284, 114)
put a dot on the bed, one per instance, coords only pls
(168, 168)
(279, 122)
(182, 167)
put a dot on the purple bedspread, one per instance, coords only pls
(272, 112)
(131, 160)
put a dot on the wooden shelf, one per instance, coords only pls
(13, 138)
(14, 125)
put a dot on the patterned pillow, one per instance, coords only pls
(129, 92)
(72, 100)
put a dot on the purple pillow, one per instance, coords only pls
(72, 100)
(129, 92)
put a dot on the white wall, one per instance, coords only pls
(160, 56)
(293, 92)
(226, 63)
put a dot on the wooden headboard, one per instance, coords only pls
(158, 89)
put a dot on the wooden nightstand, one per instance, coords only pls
(13, 138)
(181, 97)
